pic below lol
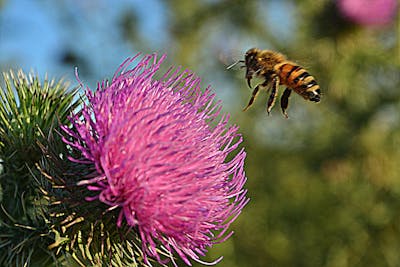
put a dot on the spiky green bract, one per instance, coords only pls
(85, 232)
(30, 110)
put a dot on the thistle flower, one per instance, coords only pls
(160, 152)
(371, 12)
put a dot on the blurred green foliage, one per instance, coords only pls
(324, 184)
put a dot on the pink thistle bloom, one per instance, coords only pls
(369, 12)
(160, 151)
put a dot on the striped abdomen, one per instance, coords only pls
(298, 79)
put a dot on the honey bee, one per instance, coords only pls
(275, 70)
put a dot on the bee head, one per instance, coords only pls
(250, 58)
(251, 63)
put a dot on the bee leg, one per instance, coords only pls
(285, 101)
(273, 95)
(255, 93)
(253, 97)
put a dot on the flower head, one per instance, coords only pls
(160, 151)
(369, 12)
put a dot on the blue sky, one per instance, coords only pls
(33, 34)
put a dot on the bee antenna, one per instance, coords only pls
(234, 64)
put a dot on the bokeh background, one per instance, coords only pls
(325, 183)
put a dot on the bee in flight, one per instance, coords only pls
(275, 70)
